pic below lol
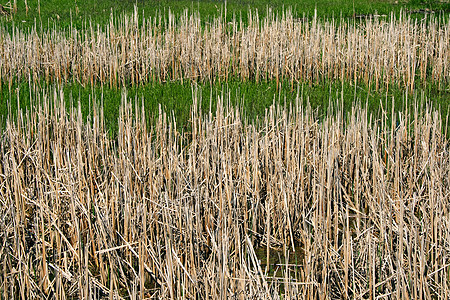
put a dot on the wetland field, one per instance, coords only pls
(203, 150)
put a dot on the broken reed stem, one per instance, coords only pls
(376, 51)
(218, 214)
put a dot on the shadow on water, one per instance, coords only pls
(280, 262)
(279, 257)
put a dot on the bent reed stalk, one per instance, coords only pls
(364, 205)
(133, 50)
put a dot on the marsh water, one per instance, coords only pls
(279, 259)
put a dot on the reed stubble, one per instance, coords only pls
(132, 50)
(154, 213)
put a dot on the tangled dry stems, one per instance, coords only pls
(136, 50)
(156, 214)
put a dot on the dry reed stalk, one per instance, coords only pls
(278, 47)
(152, 213)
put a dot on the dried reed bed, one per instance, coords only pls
(156, 214)
(135, 50)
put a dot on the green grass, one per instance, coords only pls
(63, 13)
(253, 98)
(177, 97)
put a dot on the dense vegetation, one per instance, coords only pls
(289, 206)
(272, 57)
(66, 13)
(224, 152)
